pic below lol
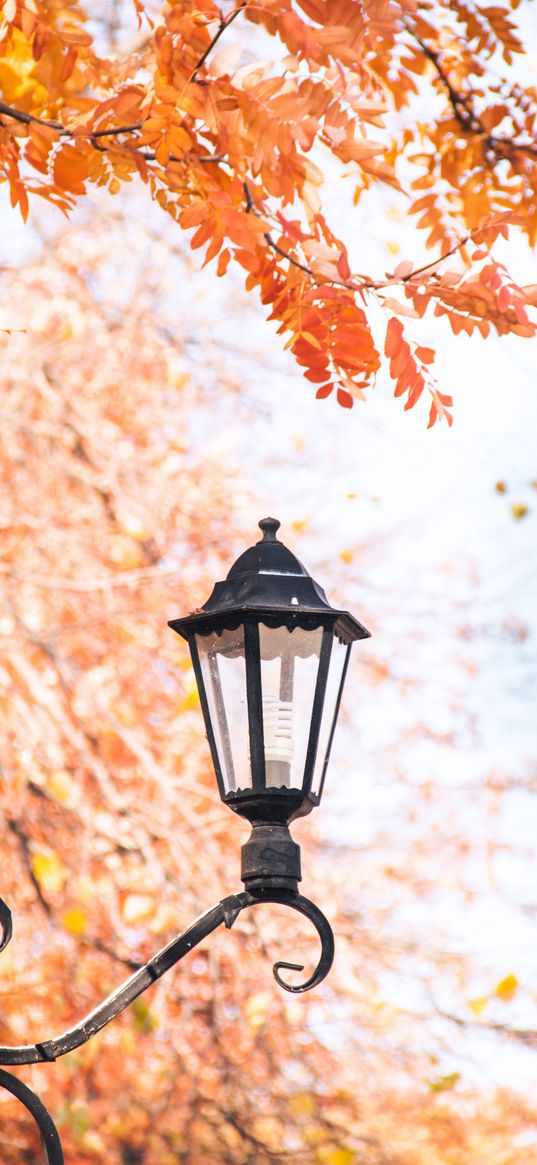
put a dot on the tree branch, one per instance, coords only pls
(360, 281)
(426, 266)
(250, 207)
(526, 1036)
(63, 130)
(95, 135)
(466, 116)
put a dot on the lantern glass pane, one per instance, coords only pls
(336, 668)
(289, 667)
(223, 669)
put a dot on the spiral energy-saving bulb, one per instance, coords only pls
(278, 736)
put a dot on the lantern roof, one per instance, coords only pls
(268, 579)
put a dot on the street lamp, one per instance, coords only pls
(270, 656)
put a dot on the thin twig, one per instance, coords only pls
(296, 263)
(251, 208)
(363, 283)
(123, 579)
(426, 266)
(222, 28)
(24, 843)
(526, 1036)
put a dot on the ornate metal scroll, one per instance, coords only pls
(225, 913)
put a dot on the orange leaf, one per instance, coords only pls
(394, 335)
(402, 309)
(317, 376)
(223, 261)
(69, 63)
(426, 355)
(415, 391)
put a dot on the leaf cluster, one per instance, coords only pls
(234, 147)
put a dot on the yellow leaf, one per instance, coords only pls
(133, 525)
(519, 510)
(303, 1104)
(445, 1083)
(500, 487)
(75, 921)
(191, 700)
(143, 1018)
(393, 248)
(14, 82)
(256, 1008)
(137, 906)
(61, 786)
(478, 1005)
(507, 988)
(49, 870)
(125, 552)
(336, 1156)
(347, 556)
(93, 1142)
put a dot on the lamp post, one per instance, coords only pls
(270, 656)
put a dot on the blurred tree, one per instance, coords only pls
(236, 148)
(114, 837)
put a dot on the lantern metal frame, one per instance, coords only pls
(266, 585)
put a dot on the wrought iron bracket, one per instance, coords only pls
(225, 913)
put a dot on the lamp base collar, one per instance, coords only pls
(270, 859)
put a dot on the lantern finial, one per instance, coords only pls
(269, 526)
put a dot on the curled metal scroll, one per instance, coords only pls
(225, 913)
(323, 928)
(41, 1115)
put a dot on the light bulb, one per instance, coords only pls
(278, 729)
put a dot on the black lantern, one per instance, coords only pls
(270, 656)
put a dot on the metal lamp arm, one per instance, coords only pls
(224, 913)
(124, 995)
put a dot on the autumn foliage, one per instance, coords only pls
(113, 837)
(232, 118)
(236, 121)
